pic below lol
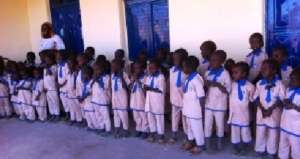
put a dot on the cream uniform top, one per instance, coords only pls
(50, 79)
(155, 102)
(38, 88)
(290, 119)
(86, 92)
(101, 91)
(267, 99)
(71, 85)
(241, 94)
(177, 78)
(193, 91)
(255, 60)
(119, 94)
(137, 95)
(217, 100)
(25, 96)
(62, 72)
(55, 42)
(285, 74)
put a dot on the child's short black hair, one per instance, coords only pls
(182, 53)
(38, 69)
(30, 54)
(273, 64)
(210, 45)
(90, 49)
(155, 62)
(221, 53)
(121, 52)
(296, 73)
(281, 49)
(258, 36)
(192, 62)
(243, 66)
(101, 58)
(87, 70)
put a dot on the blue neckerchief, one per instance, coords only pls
(85, 89)
(156, 74)
(35, 83)
(253, 54)
(115, 79)
(205, 61)
(178, 80)
(136, 85)
(60, 72)
(48, 71)
(190, 77)
(284, 66)
(241, 83)
(101, 82)
(294, 91)
(269, 85)
(215, 73)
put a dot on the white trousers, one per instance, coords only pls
(75, 110)
(156, 123)
(214, 116)
(140, 119)
(176, 116)
(121, 117)
(266, 140)
(53, 102)
(240, 134)
(102, 116)
(195, 130)
(289, 145)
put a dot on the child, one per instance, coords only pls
(256, 57)
(30, 59)
(280, 55)
(5, 109)
(269, 92)
(62, 71)
(206, 48)
(177, 78)
(219, 85)
(101, 97)
(25, 95)
(290, 120)
(85, 99)
(82, 61)
(137, 100)
(193, 101)
(90, 54)
(38, 95)
(72, 102)
(50, 85)
(239, 112)
(119, 83)
(120, 55)
(13, 81)
(229, 64)
(155, 87)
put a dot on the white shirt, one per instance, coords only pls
(55, 42)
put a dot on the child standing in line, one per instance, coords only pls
(62, 71)
(289, 144)
(13, 81)
(25, 95)
(206, 48)
(5, 109)
(101, 97)
(280, 55)
(155, 87)
(38, 95)
(218, 82)
(82, 61)
(30, 60)
(119, 85)
(177, 78)
(137, 100)
(240, 96)
(269, 92)
(193, 101)
(50, 85)
(72, 102)
(256, 57)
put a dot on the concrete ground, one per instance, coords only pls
(22, 140)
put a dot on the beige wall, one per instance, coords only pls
(14, 29)
(229, 23)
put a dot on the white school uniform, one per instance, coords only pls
(192, 110)
(239, 112)
(120, 101)
(255, 60)
(62, 71)
(285, 71)
(155, 103)
(267, 132)
(137, 104)
(289, 144)
(88, 109)
(72, 102)
(25, 96)
(50, 84)
(216, 103)
(101, 101)
(5, 108)
(203, 66)
(79, 86)
(177, 78)
(14, 96)
(40, 104)
(54, 42)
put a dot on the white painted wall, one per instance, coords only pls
(227, 22)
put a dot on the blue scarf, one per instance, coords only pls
(295, 91)
(284, 66)
(241, 83)
(205, 61)
(156, 74)
(60, 72)
(253, 54)
(101, 82)
(48, 71)
(178, 81)
(115, 79)
(35, 83)
(85, 89)
(190, 77)
(215, 73)
(136, 85)
(269, 85)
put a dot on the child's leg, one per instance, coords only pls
(43, 113)
(123, 114)
(152, 122)
(53, 102)
(160, 121)
(7, 107)
(89, 120)
(261, 141)
(235, 134)
(64, 99)
(220, 118)
(197, 130)
(98, 116)
(284, 146)
(106, 118)
(72, 108)
(78, 112)
(145, 125)
(184, 124)
(272, 141)
(189, 133)
(246, 134)
(30, 113)
(295, 146)
(117, 120)
(138, 120)
(176, 114)
(208, 123)
(2, 110)
(16, 107)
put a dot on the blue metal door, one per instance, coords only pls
(147, 26)
(283, 27)
(66, 20)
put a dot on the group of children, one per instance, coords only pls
(261, 93)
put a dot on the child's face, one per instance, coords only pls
(86, 76)
(98, 70)
(255, 43)
(176, 60)
(48, 60)
(71, 65)
(137, 68)
(278, 56)
(36, 74)
(267, 72)
(46, 32)
(119, 55)
(81, 60)
(152, 68)
(142, 57)
(115, 67)
(238, 74)
(215, 61)
(294, 81)
(187, 70)
(30, 58)
(58, 57)
(205, 51)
